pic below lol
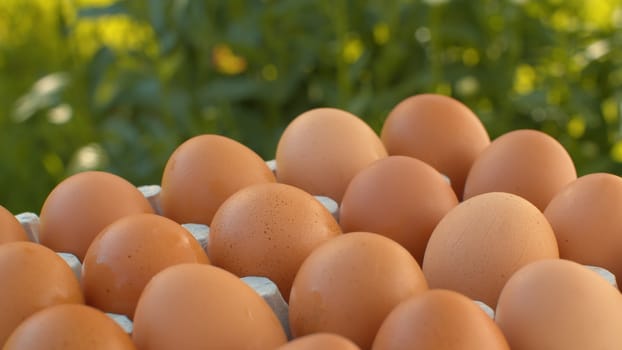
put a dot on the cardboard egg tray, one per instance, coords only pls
(262, 285)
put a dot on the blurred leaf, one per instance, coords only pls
(231, 89)
(146, 92)
(115, 8)
(97, 69)
(157, 15)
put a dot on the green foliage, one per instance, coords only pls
(117, 85)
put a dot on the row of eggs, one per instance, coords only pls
(511, 205)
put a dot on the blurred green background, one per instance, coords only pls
(117, 85)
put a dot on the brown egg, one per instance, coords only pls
(584, 216)
(328, 341)
(349, 284)
(198, 306)
(559, 304)
(127, 253)
(440, 320)
(480, 243)
(10, 229)
(203, 172)
(80, 206)
(440, 131)
(528, 163)
(322, 149)
(399, 197)
(69, 327)
(268, 230)
(33, 278)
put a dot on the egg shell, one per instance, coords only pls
(33, 278)
(320, 341)
(128, 253)
(10, 229)
(83, 204)
(203, 172)
(585, 218)
(398, 197)
(198, 306)
(69, 327)
(268, 230)
(559, 304)
(349, 284)
(322, 149)
(440, 131)
(528, 163)
(441, 320)
(481, 242)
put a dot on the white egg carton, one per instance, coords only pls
(267, 289)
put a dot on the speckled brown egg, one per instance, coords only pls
(585, 219)
(316, 341)
(441, 320)
(203, 172)
(10, 229)
(559, 305)
(33, 278)
(481, 242)
(322, 149)
(128, 253)
(83, 204)
(350, 284)
(268, 230)
(440, 131)
(198, 306)
(528, 163)
(69, 327)
(399, 197)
